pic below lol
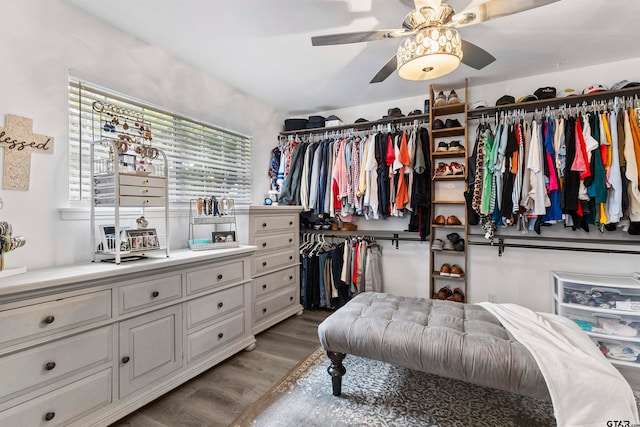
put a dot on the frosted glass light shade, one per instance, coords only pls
(429, 53)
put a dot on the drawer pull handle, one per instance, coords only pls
(290, 222)
(290, 277)
(264, 245)
(125, 359)
(219, 276)
(49, 320)
(220, 304)
(290, 298)
(220, 335)
(264, 310)
(290, 256)
(264, 264)
(145, 190)
(49, 416)
(49, 366)
(264, 286)
(146, 181)
(264, 224)
(155, 294)
(290, 240)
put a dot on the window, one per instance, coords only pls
(204, 160)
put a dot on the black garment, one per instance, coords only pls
(506, 207)
(290, 193)
(571, 178)
(337, 261)
(421, 192)
(383, 174)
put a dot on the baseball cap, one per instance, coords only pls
(505, 99)
(623, 84)
(527, 98)
(567, 92)
(478, 104)
(594, 89)
(546, 92)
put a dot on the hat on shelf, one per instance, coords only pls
(393, 112)
(527, 98)
(624, 84)
(315, 122)
(361, 120)
(415, 113)
(567, 92)
(478, 104)
(594, 89)
(546, 92)
(332, 121)
(295, 124)
(505, 99)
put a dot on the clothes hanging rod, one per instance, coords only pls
(378, 235)
(501, 245)
(563, 239)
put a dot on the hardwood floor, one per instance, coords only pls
(219, 395)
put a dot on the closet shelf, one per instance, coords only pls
(554, 102)
(449, 202)
(437, 275)
(449, 154)
(361, 125)
(461, 226)
(448, 109)
(446, 251)
(443, 133)
(450, 178)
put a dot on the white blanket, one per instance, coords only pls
(586, 389)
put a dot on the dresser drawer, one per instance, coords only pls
(268, 223)
(142, 201)
(142, 181)
(149, 293)
(213, 277)
(209, 307)
(274, 281)
(64, 405)
(20, 324)
(269, 261)
(273, 304)
(214, 336)
(47, 363)
(277, 241)
(132, 190)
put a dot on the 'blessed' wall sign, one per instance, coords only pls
(19, 141)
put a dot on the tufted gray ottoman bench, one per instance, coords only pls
(454, 340)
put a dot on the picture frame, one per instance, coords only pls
(228, 236)
(143, 239)
(108, 234)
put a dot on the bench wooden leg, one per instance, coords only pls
(336, 370)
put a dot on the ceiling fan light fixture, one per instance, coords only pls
(429, 53)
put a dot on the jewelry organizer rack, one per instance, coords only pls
(126, 172)
(215, 212)
(9, 243)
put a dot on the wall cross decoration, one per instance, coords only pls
(19, 141)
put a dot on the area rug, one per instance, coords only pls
(379, 394)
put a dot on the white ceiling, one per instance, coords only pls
(263, 47)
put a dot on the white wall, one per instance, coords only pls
(41, 41)
(521, 276)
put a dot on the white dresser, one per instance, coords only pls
(607, 308)
(85, 345)
(274, 230)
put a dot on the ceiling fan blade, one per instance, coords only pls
(493, 9)
(385, 71)
(475, 56)
(357, 37)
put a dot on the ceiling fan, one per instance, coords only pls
(433, 46)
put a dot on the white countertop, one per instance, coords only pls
(76, 273)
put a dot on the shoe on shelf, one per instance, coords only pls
(458, 246)
(443, 169)
(439, 220)
(454, 220)
(454, 237)
(452, 98)
(454, 146)
(436, 245)
(445, 269)
(447, 246)
(455, 271)
(441, 100)
(438, 124)
(444, 293)
(452, 123)
(456, 168)
(443, 146)
(458, 295)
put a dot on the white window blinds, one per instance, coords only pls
(204, 160)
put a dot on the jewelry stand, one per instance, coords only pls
(9, 244)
